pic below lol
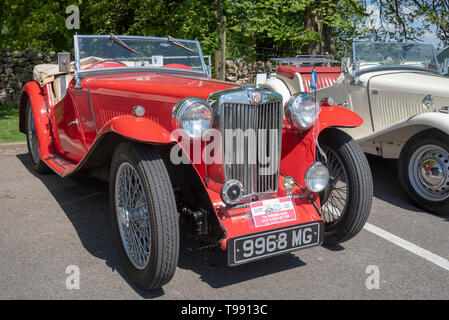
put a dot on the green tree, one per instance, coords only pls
(34, 24)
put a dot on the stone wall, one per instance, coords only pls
(244, 72)
(16, 69)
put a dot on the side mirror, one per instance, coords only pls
(346, 65)
(445, 67)
(64, 62)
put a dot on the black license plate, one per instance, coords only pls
(274, 242)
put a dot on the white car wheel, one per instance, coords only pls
(424, 170)
(428, 172)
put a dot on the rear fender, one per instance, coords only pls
(34, 94)
(389, 141)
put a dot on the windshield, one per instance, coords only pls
(378, 55)
(139, 52)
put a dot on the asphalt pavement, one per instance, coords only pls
(52, 229)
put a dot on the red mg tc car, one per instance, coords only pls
(238, 168)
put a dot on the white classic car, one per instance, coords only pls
(400, 92)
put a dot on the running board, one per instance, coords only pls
(58, 164)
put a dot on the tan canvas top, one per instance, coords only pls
(46, 73)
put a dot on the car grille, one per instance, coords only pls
(246, 151)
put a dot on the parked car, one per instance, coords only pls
(182, 150)
(400, 92)
(443, 60)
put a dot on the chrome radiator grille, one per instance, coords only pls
(251, 140)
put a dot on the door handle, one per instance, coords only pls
(72, 122)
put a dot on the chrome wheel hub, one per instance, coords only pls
(124, 217)
(432, 173)
(429, 172)
(132, 215)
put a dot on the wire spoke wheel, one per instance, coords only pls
(132, 215)
(144, 215)
(335, 197)
(346, 201)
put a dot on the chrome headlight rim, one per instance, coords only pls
(312, 169)
(294, 110)
(182, 107)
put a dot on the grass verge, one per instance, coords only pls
(9, 124)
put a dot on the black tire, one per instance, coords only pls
(346, 154)
(36, 162)
(161, 212)
(421, 140)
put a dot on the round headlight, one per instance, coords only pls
(193, 115)
(317, 177)
(301, 111)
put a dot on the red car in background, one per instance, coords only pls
(247, 172)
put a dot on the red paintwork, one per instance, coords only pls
(138, 129)
(304, 144)
(68, 146)
(37, 99)
(326, 76)
(238, 222)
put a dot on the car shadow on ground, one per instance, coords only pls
(85, 201)
(211, 265)
(386, 183)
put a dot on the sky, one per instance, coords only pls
(374, 22)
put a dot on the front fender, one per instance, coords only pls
(436, 120)
(303, 147)
(138, 129)
(116, 130)
(334, 116)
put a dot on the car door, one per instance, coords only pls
(70, 139)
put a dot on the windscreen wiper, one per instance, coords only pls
(179, 44)
(112, 37)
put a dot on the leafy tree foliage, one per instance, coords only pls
(253, 28)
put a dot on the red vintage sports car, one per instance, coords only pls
(247, 173)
